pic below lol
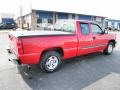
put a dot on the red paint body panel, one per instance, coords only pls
(72, 45)
(84, 40)
(37, 45)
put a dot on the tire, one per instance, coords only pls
(109, 49)
(50, 61)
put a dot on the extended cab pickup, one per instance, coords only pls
(68, 38)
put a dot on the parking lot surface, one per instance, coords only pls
(90, 72)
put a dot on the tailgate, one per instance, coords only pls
(13, 44)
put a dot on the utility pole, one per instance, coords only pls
(21, 16)
(30, 5)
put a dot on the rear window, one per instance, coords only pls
(65, 26)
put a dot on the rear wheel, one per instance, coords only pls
(50, 61)
(109, 49)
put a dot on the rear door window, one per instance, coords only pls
(85, 28)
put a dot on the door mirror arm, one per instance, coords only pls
(105, 32)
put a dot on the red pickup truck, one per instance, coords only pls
(68, 38)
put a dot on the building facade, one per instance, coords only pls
(113, 24)
(40, 18)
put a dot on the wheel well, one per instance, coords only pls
(57, 49)
(113, 41)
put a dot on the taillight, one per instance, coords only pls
(19, 46)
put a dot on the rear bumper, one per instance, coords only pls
(13, 58)
(115, 43)
(23, 59)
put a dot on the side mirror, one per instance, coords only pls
(105, 32)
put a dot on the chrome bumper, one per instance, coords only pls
(13, 58)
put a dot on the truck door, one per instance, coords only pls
(99, 39)
(84, 38)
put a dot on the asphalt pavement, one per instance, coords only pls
(90, 72)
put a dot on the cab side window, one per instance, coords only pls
(96, 29)
(85, 28)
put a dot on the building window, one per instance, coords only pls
(45, 20)
(85, 17)
(92, 18)
(98, 19)
(39, 20)
(50, 21)
(62, 16)
(73, 16)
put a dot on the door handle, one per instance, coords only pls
(94, 38)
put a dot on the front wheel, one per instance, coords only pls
(109, 49)
(50, 61)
